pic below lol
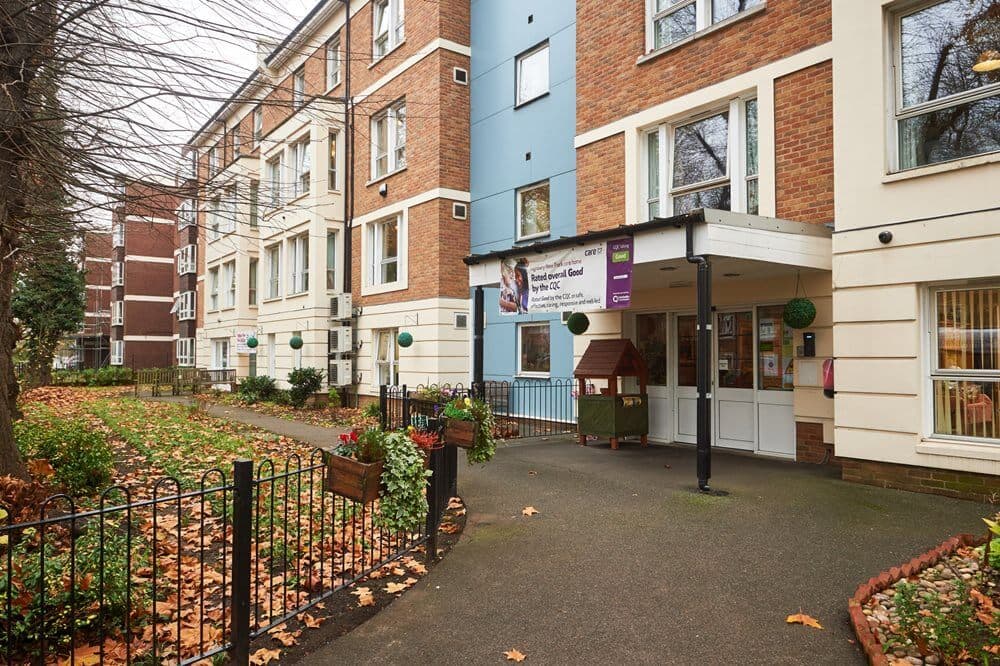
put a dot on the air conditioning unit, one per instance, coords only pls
(339, 373)
(341, 306)
(341, 340)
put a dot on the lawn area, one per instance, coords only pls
(151, 440)
(324, 416)
(148, 574)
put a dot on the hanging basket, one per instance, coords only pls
(295, 342)
(404, 339)
(799, 312)
(578, 323)
(252, 342)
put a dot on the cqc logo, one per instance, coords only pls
(620, 256)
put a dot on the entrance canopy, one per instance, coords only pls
(748, 240)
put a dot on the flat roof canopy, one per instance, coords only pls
(718, 233)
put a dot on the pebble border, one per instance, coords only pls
(869, 642)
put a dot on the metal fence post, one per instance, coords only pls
(383, 405)
(242, 533)
(406, 407)
(451, 470)
(434, 503)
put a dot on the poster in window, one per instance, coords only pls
(769, 364)
(766, 329)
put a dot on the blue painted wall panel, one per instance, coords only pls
(501, 135)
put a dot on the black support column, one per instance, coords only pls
(704, 372)
(478, 328)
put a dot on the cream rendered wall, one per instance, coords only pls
(809, 403)
(880, 327)
(440, 353)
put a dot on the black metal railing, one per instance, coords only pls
(181, 572)
(522, 408)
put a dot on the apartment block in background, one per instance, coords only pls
(273, 175)
(92, 345)
(143, 237)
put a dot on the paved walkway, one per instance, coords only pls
(625, 564)
(310, 434)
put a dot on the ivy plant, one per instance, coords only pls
(402, 505)
(484, 446)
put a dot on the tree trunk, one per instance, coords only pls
(10, 458)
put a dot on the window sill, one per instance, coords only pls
(532, 237)
(384, 177)
(735, 18)
(941, 167)
(371, 290)
(526, 102)
(959, 449)
(376, 61)
(297, 294)
(332, 88)
(272, 299)
(533, 375)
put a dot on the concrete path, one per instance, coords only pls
(318, 436)
(625, 564)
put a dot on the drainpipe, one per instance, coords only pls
(349, 152)
(478, 328)
(704, 358)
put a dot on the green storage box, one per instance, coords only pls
(613, 416)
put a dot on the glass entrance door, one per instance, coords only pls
(734, 381)
(686, 384)
(775, 381)
(651, 341)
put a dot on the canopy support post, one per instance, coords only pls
(703, 363)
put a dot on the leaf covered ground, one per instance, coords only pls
(168, 599)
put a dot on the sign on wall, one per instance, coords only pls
(596, 276)
(241, 342)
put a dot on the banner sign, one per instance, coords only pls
(241, 342)
(595, 276)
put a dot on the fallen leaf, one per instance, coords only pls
(515, 655)
(41, 468)
(314, 622)
(264, 656)
(286, 638)
(529, 511)
(393, 588)
(802, 618)
(361, 591)
(532, 472)
(366, 600)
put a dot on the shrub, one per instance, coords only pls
(333, 397)
(467, 409)
(92, 580)
(371, 411)
(305, 382)
(255, 389)
(81, 457)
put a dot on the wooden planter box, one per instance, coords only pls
(352, 479)
(460, 433)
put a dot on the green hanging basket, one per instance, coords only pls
(404, 339)
(252, 342)
(799, 312)
(295, 342)
(578, 323)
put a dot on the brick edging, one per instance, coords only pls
(866, 637)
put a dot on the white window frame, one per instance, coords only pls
(253, 279)
(212, 214)
(331, 260)
(186, 302)
(117, 352)
(299, 88)
(333, 62)
(258, 125)
(228, 276)
(213, 289)
(298, 264)
(932, 371)
(901, 113)
(227, 225)
(394, 35)
(518, 195)
(391, 362)
(117, 313)
(703, 19)
(220, 354)
(273, 253)
(273, 169)
(117, 273)
(736, 169)
(213, 161)
(185, 352)
(301, 159)
(237, 143)
(332, 153)
(187, 259)
(518, 73)
(394, 118)
(118, 234)
(185, 214)
(521, 372)
(376, 261)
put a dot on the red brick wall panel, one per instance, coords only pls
(611, 36)
(803, 127)
(148, 318)
(600, 184)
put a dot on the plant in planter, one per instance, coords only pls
(305, 382)
(470, 424)
(385, 466)
(425, 441)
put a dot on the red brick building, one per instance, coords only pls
(93, 342)
(143, 237)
